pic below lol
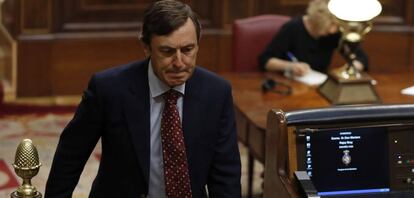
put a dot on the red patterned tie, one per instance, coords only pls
(177, 179)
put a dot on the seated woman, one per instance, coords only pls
(307, 42)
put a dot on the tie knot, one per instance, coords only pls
(171, 96)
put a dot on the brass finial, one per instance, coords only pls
(26, 165)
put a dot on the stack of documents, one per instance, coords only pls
(312, 78)
(408, 91)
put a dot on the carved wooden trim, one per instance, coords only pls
(292, 152)
(294, 2)
(38, 30)
(276, 179)
(122, 6)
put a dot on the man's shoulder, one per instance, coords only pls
(120, 76)
(208, 81)
(122, 70)
(203, 74)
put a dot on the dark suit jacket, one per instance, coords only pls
(116, 108)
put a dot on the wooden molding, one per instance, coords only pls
(35, 16)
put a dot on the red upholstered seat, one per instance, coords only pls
(250, 37)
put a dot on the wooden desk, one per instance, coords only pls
(252, 106)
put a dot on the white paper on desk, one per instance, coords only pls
(312, 78)
(408, 91)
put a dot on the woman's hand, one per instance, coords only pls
(300, 68)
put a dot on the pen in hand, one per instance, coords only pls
(292, 57)
(296, 68)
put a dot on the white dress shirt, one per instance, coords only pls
(156, 186)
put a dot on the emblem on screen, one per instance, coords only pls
(346, 158)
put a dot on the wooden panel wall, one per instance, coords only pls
(35, 16)
(61, 43)
(6, 57)
(88, 15)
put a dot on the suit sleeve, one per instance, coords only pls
(224, 178)
(76, 143)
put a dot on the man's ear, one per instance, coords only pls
(146, 48)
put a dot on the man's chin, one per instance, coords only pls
(176, 82)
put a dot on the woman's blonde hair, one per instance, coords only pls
(320, 18)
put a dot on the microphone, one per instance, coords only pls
(276, 87)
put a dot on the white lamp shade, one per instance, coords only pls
(355, 10)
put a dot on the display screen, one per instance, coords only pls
(347, 161)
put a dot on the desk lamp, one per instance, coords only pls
(347, 85)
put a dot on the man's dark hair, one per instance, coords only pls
(163, 17)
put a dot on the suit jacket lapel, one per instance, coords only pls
(191, 118)
(137, 112)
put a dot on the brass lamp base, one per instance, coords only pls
(338, 90)
(16, 195)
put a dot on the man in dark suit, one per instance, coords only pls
(126, 107)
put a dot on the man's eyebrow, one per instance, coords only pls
(171, 47)
(189, 45)
(166, 47)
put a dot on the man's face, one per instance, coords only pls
(173, 56)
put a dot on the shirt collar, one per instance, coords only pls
(157, 87)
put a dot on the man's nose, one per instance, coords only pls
(178, 60)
